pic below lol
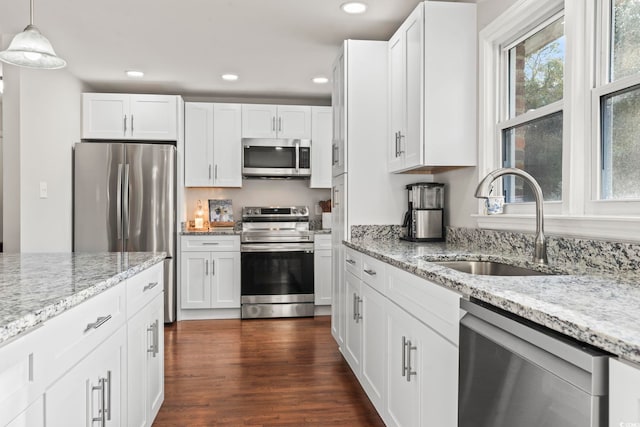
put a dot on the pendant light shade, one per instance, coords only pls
(31, 49)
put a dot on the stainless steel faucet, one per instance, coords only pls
(484, 188)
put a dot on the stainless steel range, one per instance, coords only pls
(277, 262)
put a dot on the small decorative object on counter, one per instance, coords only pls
(199, 216)
(325, 205)
(221, 213)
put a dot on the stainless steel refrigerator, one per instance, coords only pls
(125, 201)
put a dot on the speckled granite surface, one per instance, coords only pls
(592, 305)
(380, 232)
(210, 232)
(37, 287)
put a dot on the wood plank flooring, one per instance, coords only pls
(275, 372)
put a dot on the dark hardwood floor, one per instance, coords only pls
(276, 372)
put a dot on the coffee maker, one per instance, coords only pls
(424, 219)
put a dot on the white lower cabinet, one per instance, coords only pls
(422, 368)
(92, 393)
(145, 347)
(30, 417)
(322, 269)
(210, 272)
(338, 313)
(624, 394)
(404, 355)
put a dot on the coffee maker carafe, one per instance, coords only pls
(424, 219)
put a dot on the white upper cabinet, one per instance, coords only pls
(276, 121)
(213, 149)
(432, 88)
(117, 116)
(321, 136)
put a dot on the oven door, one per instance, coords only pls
(277, 273)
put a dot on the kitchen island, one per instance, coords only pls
(81, 335)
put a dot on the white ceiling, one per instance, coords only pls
(183, 46)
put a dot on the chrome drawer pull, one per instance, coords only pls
(210, 243)
(410, 371)
(370, 272)
(150, 286)
(99, 322)
(350, 261)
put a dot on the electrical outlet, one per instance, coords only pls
(44, 192)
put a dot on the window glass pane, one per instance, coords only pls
(621, 145)
(536, 67)
(625, 40)
(535, 147)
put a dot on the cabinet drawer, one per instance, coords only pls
(22, 373)
(373, 272)
(433, 305)
(321, 241)
(210, 243)
(143, 287)
(353, 262)
(76, 332)
(624, 393)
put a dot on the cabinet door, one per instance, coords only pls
(430, 398)
(145, 363)
(338, 147)
(321, 134)
(411, 140)
(33, 416)
(322, 276)
(198, 144)
(259, 121)
(397, 96)
(195, 280)
(374, 346)
(155, 359)
(225, 276)
(227, 145)
(353, 327)
(105, 115)
(338, 294)
(77, 398)
(154, 117)
(624, 394)
(294, 121)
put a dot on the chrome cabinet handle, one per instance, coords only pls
(101, 418)
(410, 370)
(273, 123)
(355, 306)
(213, 267)
(336, 154)
(124, 128)
(99, 322)
(215, 172)
(359, 314)
(350, 261)
(108, 408)
(149, 286)
(132, 123)
(210, 243)
(370, 272)
(209, 171)
(206, 267)
(397, 140)
(404, 356)
(400, 137)
(154, 348)
(279, 124)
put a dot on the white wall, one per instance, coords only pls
(41, 123)
(461, 183)
(260, 192)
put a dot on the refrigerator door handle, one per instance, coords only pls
(125, 202)
(119, 203)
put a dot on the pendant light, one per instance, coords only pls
(31, 49)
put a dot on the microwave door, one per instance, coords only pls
(269, 161)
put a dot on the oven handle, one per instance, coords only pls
(277, 247)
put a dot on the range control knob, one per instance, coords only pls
(304, 211)
(294, 211)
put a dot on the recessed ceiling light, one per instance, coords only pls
(320, 80)
(354, 7)
(230, 77)
(134, 74)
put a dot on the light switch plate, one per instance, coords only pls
(44, 192)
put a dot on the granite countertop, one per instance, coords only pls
(214, 232)
(597, 308)
(37, 287)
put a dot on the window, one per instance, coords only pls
(619, 103)
(531, 135)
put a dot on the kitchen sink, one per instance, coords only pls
(490, 268)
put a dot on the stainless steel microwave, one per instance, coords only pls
(286, 158)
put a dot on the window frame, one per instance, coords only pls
(579, 214)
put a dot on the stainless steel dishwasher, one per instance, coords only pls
(515, 373)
